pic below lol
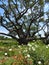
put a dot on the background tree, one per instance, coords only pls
(23, 19)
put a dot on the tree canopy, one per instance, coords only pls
(24, 19)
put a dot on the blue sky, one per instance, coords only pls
(5, 31)
(2, 29)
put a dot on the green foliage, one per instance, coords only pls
(41, 2)
(46, 1)
(1, 37)
(35, 53)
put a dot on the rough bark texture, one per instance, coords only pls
(23, 41)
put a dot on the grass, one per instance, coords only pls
(35, 53)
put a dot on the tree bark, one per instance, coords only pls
(23, 41)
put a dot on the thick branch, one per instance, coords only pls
(41, 38)
(9, 35)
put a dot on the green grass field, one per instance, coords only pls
(35, 53)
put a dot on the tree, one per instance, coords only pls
(23, 19)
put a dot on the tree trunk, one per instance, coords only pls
(23, 41)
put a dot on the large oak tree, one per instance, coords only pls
(24, 19)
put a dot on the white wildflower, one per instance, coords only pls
(28, 55)
(36, 46)
(34, 40)
(22, 44)
(29, 48)
(29, 45)
(5, 54)
(19, 51)
(19, 46)
(46, 46)
(25, 56)
(33, 48)
(10, 49)
(39, 62)
(25, 51)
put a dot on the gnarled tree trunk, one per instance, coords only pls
(23, 41)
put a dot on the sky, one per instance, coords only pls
(2, 29)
